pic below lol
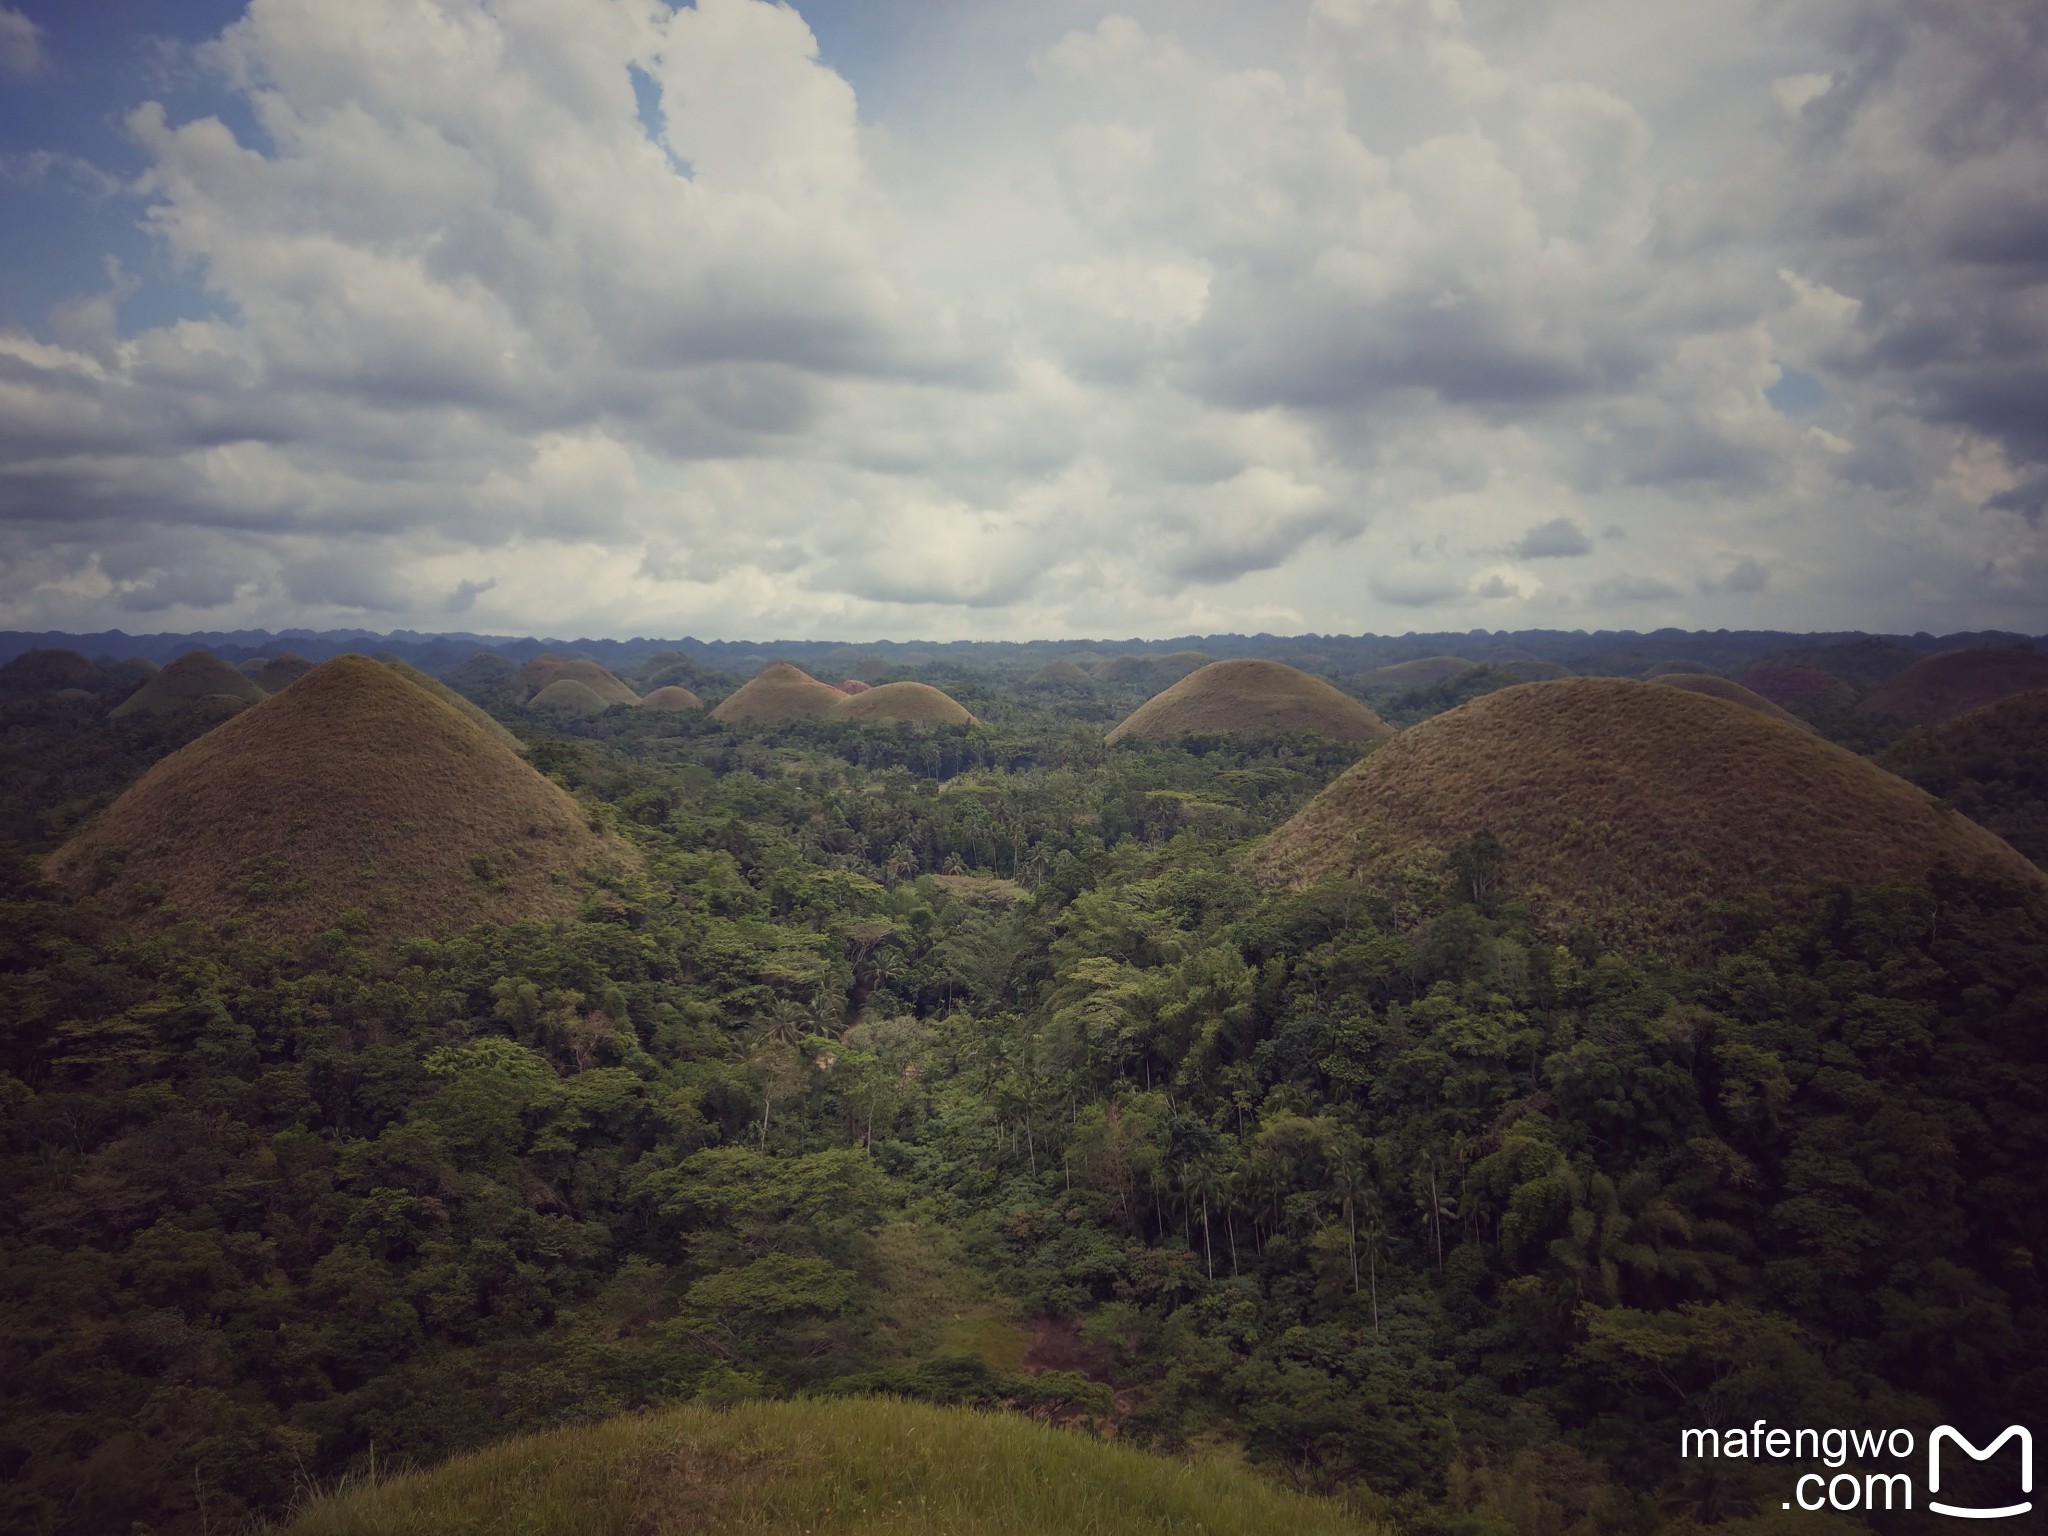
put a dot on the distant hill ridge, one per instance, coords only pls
(352, 789)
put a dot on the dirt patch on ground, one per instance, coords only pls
(1056, 1345)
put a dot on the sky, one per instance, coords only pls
(971, 319)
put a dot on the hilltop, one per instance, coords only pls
(197, 680)
(545, 670)
(848, 1465)
(901, 703)
(473, 712)
(46, 670)
(1678, 667)
(1058, 674)
(779, 693)
(569, 696)
(1709, 686)
(1628, 806)
(1991, 763)
(352, 789)
(1251, 698)
(784, 692)
(1797, 688)
(670, 697)
(1954, 681)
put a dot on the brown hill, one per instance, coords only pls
(545, 670)
(1625, 806)
(44, 670)
(1954, 681)
(1419, 673)
(1798, 688)
(1990, 763)
(671, 697)
(778, 694)
(1678, 669)
(853, 685)
(1534, 671)
(1251, 698)
(473, 712)
(196, 680)
(274, 674)
(898, 703)
(483, 673)
(351, 789)
(569, 696)
(1721, 688)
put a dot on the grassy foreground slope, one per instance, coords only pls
(848, 1465)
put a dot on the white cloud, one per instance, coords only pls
(1135, 328)
(21, 44)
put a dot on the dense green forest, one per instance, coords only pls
(967, 1064)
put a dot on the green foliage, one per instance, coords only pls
(1007, 1089)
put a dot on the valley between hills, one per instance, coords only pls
(1325, 1083)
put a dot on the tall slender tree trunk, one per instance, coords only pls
(1230, 1226)
(1208, 1249)
(1351, 1220)
(1372, 1259)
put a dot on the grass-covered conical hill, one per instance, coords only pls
(45, 670)
(853, 1466)
(1251, 698)
(1624, 806)
(783, 692)
(352, 789)
(671, 697)
(1990, 763)
(567, 696)
(779, 693)
(1951, 682)
(545, 670)
(1710, 686)
(197, 680)
(469, 709)
(901, 703)
(1678, 667)
(1798, 687)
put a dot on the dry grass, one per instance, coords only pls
(896, 703)
(1798, 687)
(196, 680)
(475, 713)
(671, 697)
(858, 1466)
(353, 788)
(779, 693)
(567, 696)
(1419, 673)
(784, 692)
(1678, 669)
(1625, 805)
(546, 669)
(852, 685)
(1712, 687)
(1954, 681)
(1251, 698)
(1530, 670)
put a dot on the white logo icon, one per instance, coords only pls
(2026, 1471)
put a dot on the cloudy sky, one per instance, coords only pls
(965, 318)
